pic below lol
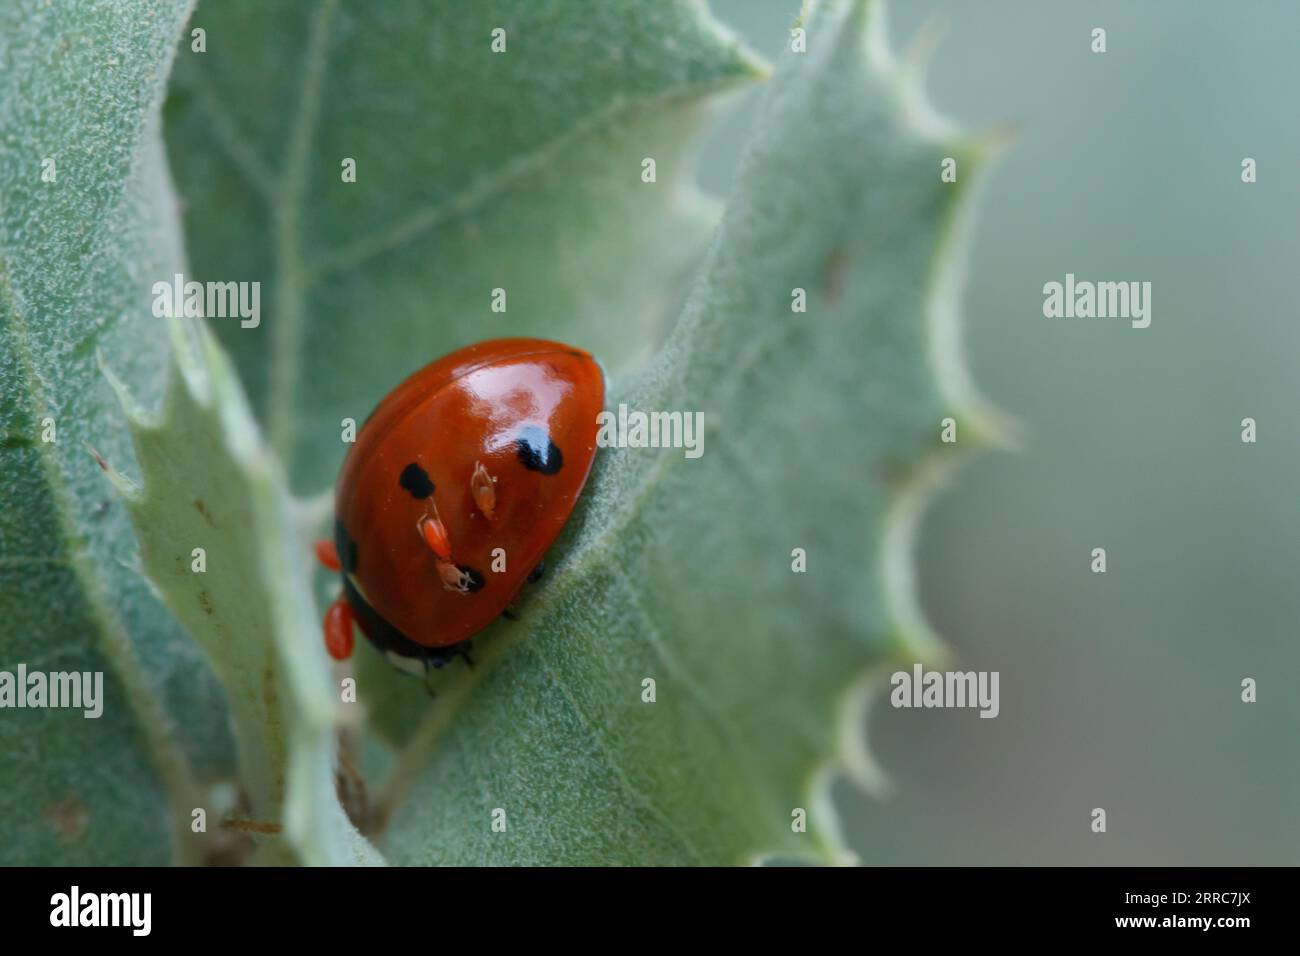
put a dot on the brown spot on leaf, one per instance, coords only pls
(349, 785)
(68, 818)
(268, 688)
(895, 472)
(252, 826)
(99, 459)
(205, 602)
(228, 848)
(271, 710)
(834, 275)
(202, 509)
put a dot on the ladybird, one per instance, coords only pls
(458, 483)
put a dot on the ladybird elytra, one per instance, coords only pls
(482, 453)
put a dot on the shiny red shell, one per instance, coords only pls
(522, 410)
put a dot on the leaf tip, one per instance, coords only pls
(854, 750)
(916, 58)
(984, 425)
(914, 637)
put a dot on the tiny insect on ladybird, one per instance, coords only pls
(458, 483)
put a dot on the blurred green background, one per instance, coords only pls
(1120, 690)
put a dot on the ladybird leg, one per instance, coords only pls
(338, 629)
(536, 573)
(429, 670)
(511, 613)
(328, 555)
(437, 658)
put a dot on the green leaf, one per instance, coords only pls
(475, 171)
(210, 484)
(821, 428)
(80, 85)
(822, 432)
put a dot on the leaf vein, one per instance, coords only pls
(291, 283)
(237, 147)
(491, 186)
(616, 769)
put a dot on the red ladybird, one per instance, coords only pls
(458, 483)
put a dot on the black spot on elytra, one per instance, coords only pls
(416, 480)
(346, 547)
(537, 452)
(474, 579)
